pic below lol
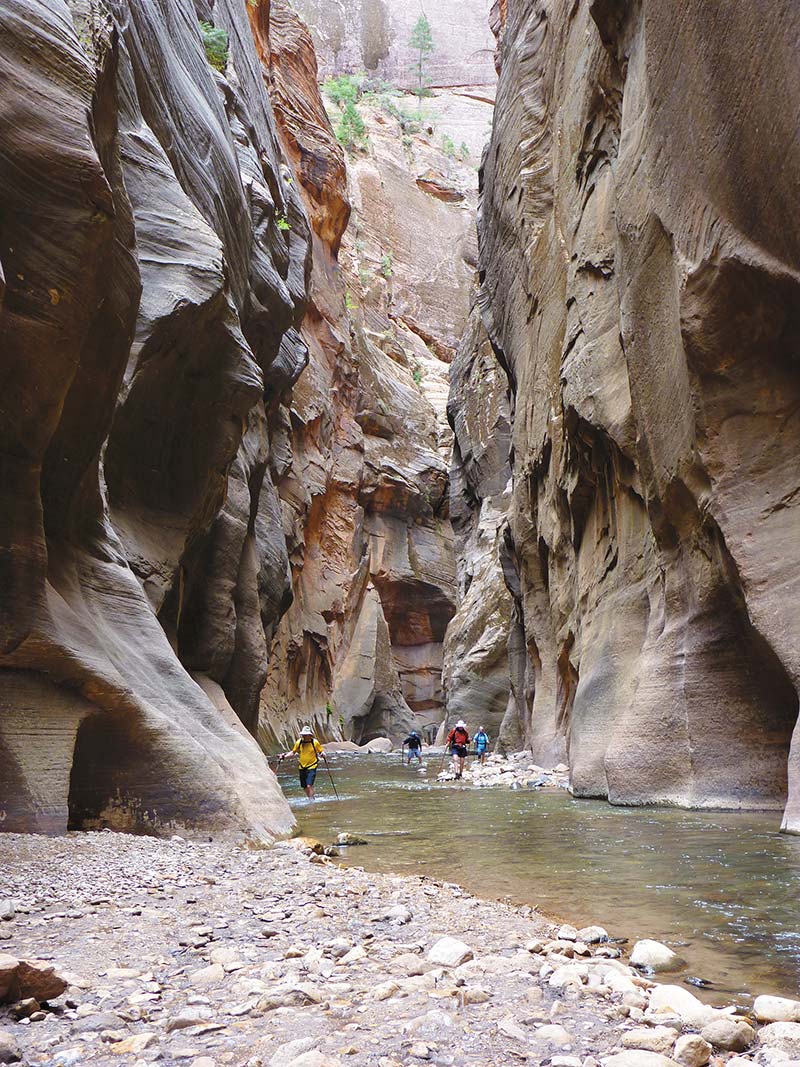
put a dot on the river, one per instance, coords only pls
(721, 888)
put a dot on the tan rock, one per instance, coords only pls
(776, 1010)
(692, 1050)
(650, 1038)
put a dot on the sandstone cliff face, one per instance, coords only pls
(364, 494)
(155, 264)
(641, 253)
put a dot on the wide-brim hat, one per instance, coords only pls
(461, 723)
(306, 732)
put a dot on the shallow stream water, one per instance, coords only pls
(721, 888)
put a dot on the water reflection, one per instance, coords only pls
(721, 887)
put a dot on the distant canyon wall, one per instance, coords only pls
(364, 489)
(640, 250)
(156, 260)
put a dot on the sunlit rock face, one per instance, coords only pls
(364, 487)
(640, 247)
(155, 263)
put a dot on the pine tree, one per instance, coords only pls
(421, 41)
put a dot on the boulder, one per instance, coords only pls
(8, 974)
(653, 956)
(450, 952)
(675, 999)
(776, 1010)
(39, 980)
(592, 935)
(782, 1036)
(732, 1035)
(378, 744)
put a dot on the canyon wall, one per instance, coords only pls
(155, 270)
(364, 492)
(640, 251)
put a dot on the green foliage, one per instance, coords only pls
(421, 40)
(448, 146)
(216, 45)
(346, 89)
(417, 375)
(283, 222)
(387, 263)
(349, 303)
(350, 130)
(364, 277)
(463, 150)
(328, 709)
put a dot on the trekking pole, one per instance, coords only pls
(327, 768)
(403, 755)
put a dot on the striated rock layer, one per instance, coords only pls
(640, 248)
(155, 265)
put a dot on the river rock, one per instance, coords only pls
(673, 998)
(782, 1036)
(7, 910)
(379, 744)
(733, 1035)
(346, 838)
(566, 932)
(649, 1038)
(692, 1050)
(637, 1058)
(287, 1053)
(592, 935)
(8, 973)
(776, 1010)
(315, 1059)
(554, 1034)
(9, 1049)
(98, 1020)
(653, 956)
(450, 952)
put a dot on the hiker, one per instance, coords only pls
(414, 744)
(481, 740)
(458, 739)
(308, 750)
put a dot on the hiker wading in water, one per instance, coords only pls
(458, 739)
(414, 744)
(481, 740)
(308, 750)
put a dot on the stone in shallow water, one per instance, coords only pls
(653, 956)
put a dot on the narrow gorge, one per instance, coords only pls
(287, 442)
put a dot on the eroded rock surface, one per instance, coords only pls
(155, 256)
(641, 257)
(365, 487)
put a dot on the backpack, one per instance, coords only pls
(460, 736)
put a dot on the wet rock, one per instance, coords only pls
(691, 1050)
(450, 952)
(9, 1049)
(782, 1037)
(593, 935)
(653, 956)
(732, 1035)
(346, 838)
(776, 1010)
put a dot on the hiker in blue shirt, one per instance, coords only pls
(481, 740)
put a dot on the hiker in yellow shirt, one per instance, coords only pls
(308, 750)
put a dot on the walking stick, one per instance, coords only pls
(327, 768)
(403, 755)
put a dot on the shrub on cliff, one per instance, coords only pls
(215, 42)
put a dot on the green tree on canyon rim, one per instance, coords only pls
(421, 40)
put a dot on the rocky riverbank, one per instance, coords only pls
(189, 953)
(515, 771)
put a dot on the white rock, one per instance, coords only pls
(653, 956)
(554, 1034)
(567, 933)
(593, 935)
(212, 975)
(565, 1061)
(510, 1028)
(399, 914)
(679, 1001)
(450, 952)
(776, 1010)
(353, 956)
(9, 1049)
(569, 975)
(649, 1038)
(285, 1054)
(315, 1059)
(691, 1050)
(783, 1036)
